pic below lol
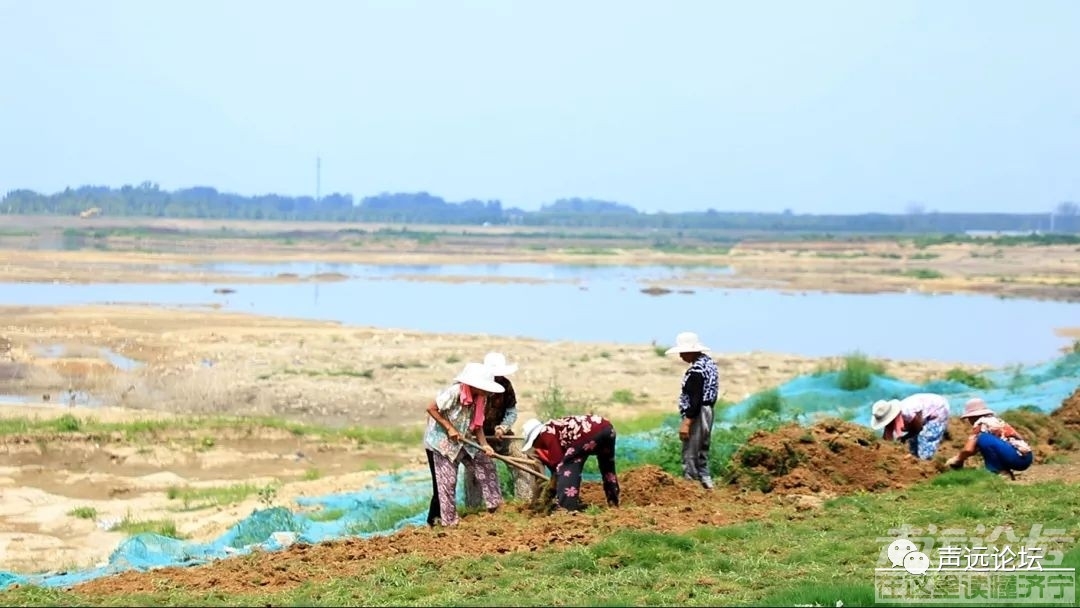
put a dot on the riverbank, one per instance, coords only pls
(120, 250)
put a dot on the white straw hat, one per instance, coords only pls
(478, 376)
(497, 365)
(884, 412)
(531, 430)
(687, 342)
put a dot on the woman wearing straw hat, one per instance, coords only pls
(1001, 447)
(458, 413)
(920, 419)
(500, 413)
(564, 444)
(700, 388)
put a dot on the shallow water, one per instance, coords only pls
(605, 304)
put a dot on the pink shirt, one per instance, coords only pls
(931, 405)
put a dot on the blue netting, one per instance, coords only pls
(1042, 387)
(391, 502)
(398, 500)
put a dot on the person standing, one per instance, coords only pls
(564, 444)
(500, 414)
(456, 413)
(700, 388)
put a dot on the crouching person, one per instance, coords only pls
(458, 413)
(564, 444)
(1001, 447)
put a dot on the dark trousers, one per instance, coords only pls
(568, 484)
(433, 508)
(999, 455)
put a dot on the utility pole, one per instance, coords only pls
(318, 178)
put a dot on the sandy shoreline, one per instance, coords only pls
(871, 266)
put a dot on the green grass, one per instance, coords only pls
(624, 396)
(327, 515)
(83, 513)
(330, 373)
(765, 404)
(973, 380)
(778, 559)
(194, 499)
(161, 527)
(149, 429)
(385, 517)
(858, 372)
(923, 273)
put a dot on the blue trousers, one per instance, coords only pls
(1000, 456)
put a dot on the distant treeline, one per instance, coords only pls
(148, 200)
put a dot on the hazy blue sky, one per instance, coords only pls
(811, 105)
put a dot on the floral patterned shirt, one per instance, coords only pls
(448, 401)
(566, 437)
(1001, 429)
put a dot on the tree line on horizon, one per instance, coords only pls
(149, 200)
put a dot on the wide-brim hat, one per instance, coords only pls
(975, 408)
(687, 342)
(497, 365)
(478, 376)
(884, 412)
(531, 430)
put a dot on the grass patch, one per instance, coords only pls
(624, 396)
(554, 402)
(973, 380)
(311, 474)
(194, 499)
(661, 351)
(818, 558)
(386, 517)
(161, 527)
(403, 365)
(331, 373)
(327, 515)
(199, 425)
(923, 273)
(858, 372)
(83, 513)
(765, 404)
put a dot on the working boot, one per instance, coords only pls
(707, 483)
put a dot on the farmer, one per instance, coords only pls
(500, 413)
(700, 387)
(564, 444)
(920, 419)
(457, 414)
(1001, 447)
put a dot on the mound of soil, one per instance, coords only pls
(1049, 436)
(832, 456)
(646, 486)
(1069, 412)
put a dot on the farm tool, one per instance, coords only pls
(544, 500)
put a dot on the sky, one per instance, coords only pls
(819, 107)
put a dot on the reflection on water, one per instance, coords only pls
(57, 351)
(516, 270)
(960, 328)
